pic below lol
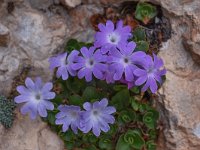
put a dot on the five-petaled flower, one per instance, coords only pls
(92, 62)
(64, 64)
(97, 116)
(69, 116)
(110, 37)
(150, 73)
(125, 61)
(36, 97)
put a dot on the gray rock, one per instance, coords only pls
(180, 94)
(35, 33)
(4, 36)
(71, 3)
(27, 134)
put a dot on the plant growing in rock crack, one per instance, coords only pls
(6, 111)
(145, 12)
(101, 97)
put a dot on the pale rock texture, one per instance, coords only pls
(180, 94)
(36, 29)
(71, 3)
(27, 134)
(31, 31)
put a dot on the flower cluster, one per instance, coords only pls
(36, 96)
(96, 117)
(112, 58)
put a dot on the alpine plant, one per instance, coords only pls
(113, 58)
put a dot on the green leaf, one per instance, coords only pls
(67, 136)
(119, 87)
(90, 93)
(121, 99)
(151, 145)
(58, 99)
(75, 85)
(92, 138)
(135, 90)
(126, 116)
(105, 143)
(139, 34)
(75, 100)
(150, 118)
(72, 44)
(134, 139)
(135, 104)
(51, 118)
(91, 147)
(122, 145)
(142, 46)
(69, 145)
(113, 129)
(152, 134)
(142, 108)
(145, 12)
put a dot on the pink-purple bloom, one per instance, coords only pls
(124, 61)
(68, 116)
(90, 63)
(110, 37)
(150, 74)
(97, 116)
(36, 97)
(63, 63)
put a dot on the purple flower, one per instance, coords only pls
(97, 117)
(129, 84)
(92, 62)
(109, 37)
(36, 97)
(68, 116)
(108, 76)
(124, 60)
(150, 73)
(64, 64)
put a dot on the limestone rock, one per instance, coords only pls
(27, 134)
(35, 33)
(180, 95)
(71, 3)
(4, 36)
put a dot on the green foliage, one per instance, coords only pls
(6, 111)
(142, 46)
(151, 145)
(150, 118)
(145, 12)
(134, 139)
(126, 116)
(140, 39)
(73, 44)
(135, 126)
(130, 140)
(139, 34)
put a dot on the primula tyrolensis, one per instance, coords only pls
(110, 37)
(36, 97)
(97, 116)
(112, 58)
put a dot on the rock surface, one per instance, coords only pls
(33, 30)
(180, 95)
(30, 32)
(29, 135)
(71, 3)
